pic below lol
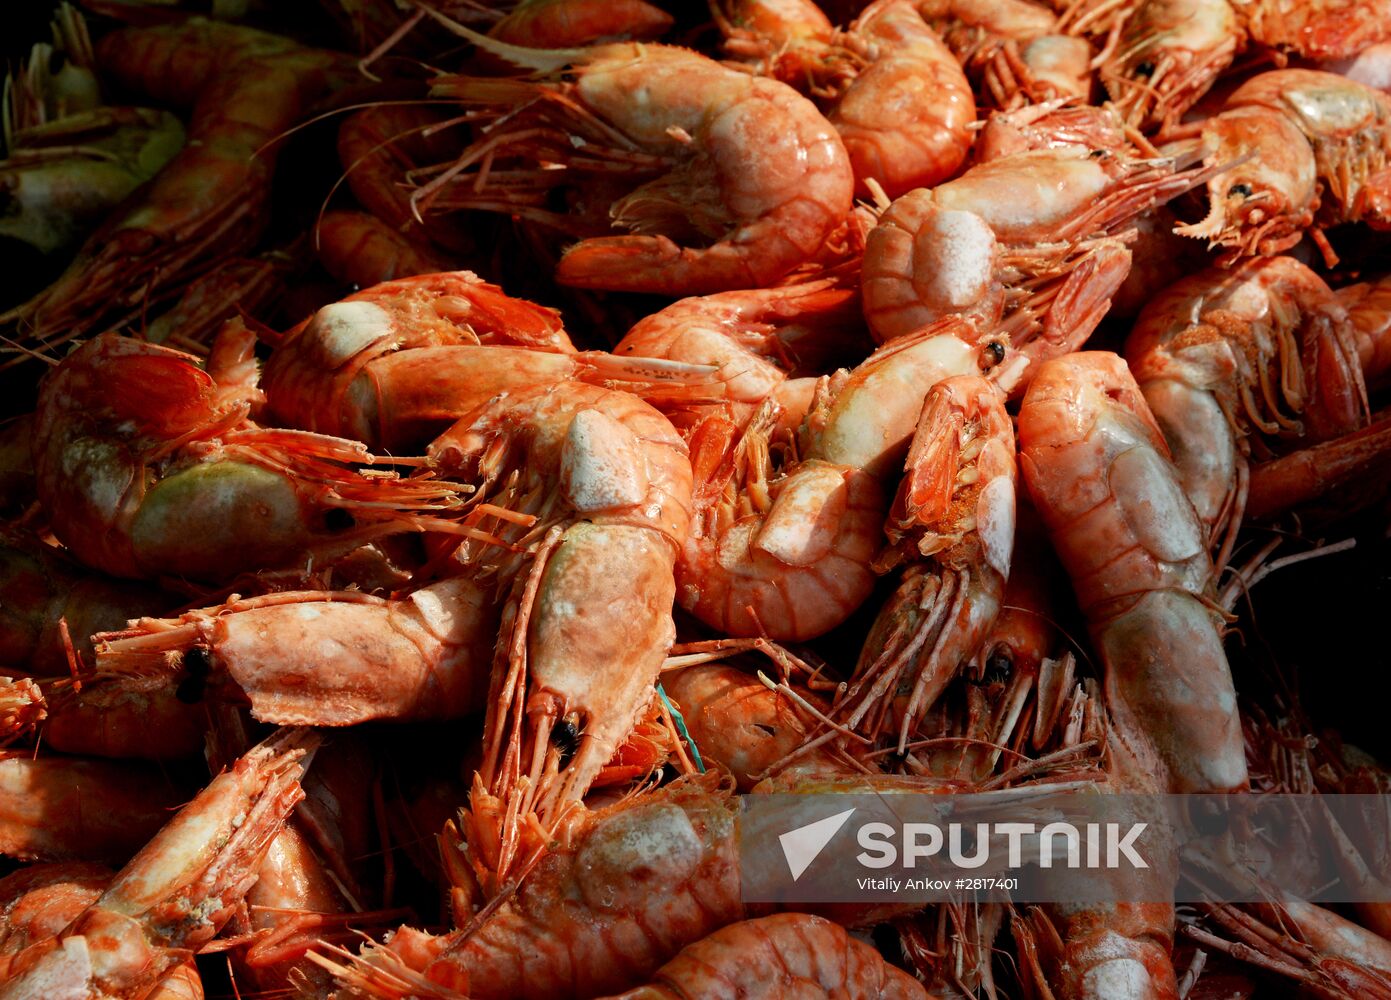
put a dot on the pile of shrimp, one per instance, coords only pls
(454, 451)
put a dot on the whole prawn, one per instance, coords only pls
(952, 528)
(734, 180)
(1098, 471)
(149, 466)
(786, 550)
(1239, 365)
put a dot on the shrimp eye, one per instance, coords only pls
(1145, 68)
(1242, 190)
(566, 737)
(197, 664)
(1097, 154)
(338, 519)
(998, 665)
(991, 355)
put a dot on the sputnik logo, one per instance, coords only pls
(801, 846)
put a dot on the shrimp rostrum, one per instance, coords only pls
(732, 180)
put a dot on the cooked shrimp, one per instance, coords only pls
(952, 528)
(1168, 55)
(246, 88)
(126, 718)
(1010, 49)
(1018, 243)
(619, 893)
(554, 24)
(598, 486)
(22, 707)
(790, 954)
(148, 467)
(786, 552)
(733, 180)
(1099, 473)
(65, 809)
(1238, 364)
(360, 250)
(1318, 29)
(1312, 150)
(1369, 311)
(176, 894)
(40, 587)
(887, 82)
(317, 658)
(396, 364)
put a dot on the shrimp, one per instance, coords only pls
(1098, 470)
(246, 87)
(739, 178)
(1369, 311)
(598, 486)
(787, 552)
(360, 250)
(1020, 244)
(176, 894)
(148, 467)
(619, 893)
(40, 587)
(322, 658)
(66, 809)
(871, 81)
(394, 365)
(1169, 53)
(22, 707)
(554, 24)
(778, 956)
(1320, 29)
(135, 718)
(1312, 150)
(744, 727)
(952, 528)
(1234, 364)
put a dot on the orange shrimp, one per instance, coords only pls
(176, 894)
(887, 83)
(147, 466)
(1312, 150)
(619, 893)
(741, 725)
(1319, 29)
(396, 364)
(783, 955)
(598, 489)
(127, 718)
(1049, 125)
(1236, 365)
(246, 88)
(787, 552)
(739, 179)
(1019, 244)
(22, 707)
(1098, 471)
(65, 809)
(39, 588)
(322, 658)
(360, 250)
(1167, 56)
(555, 24)
(952, 527)
(1369, 311)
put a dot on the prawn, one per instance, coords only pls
(1098, 470)
(246, 87)
(394, 365)
(1236, 364)
(739, 179)
(1311, 149)
(952, 528)
(786, 550)
(139, 454)
(553, 24)
(320, 658)
(360, 250)
(176, 894)
(889, 85)
(22, 707)
(1369, 311)
(777, 956)
(596, 485)
(1026, 244)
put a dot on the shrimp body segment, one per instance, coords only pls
(1099, 474)
(147, 467)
